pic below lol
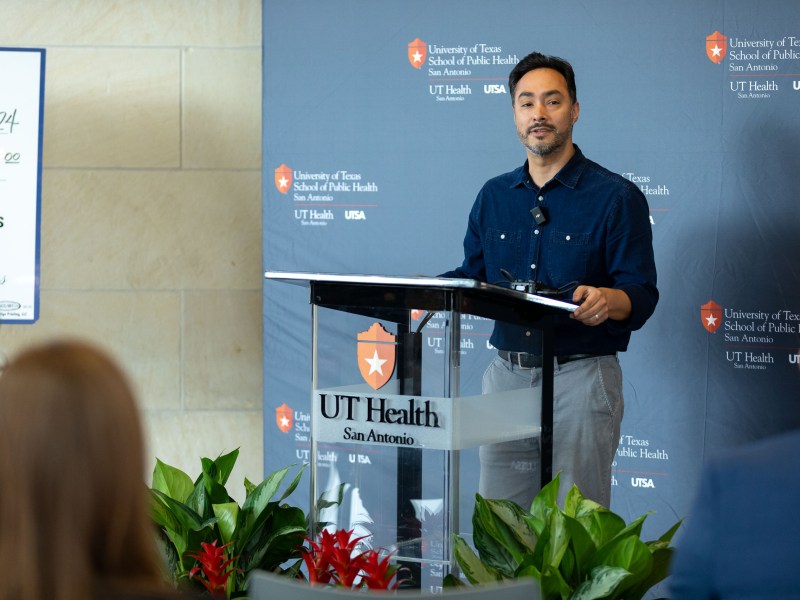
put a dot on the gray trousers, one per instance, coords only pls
(587, 411)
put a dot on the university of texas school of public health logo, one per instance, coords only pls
(283, 418)
(376, 355)
(417, 53)
(283, 179)
(716, 45)
(711, 316)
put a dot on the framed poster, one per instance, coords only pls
(21, 117)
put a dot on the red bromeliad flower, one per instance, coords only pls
(377, 572)
(316, 561)
(333, 559)
(215, 566)
(340, 548)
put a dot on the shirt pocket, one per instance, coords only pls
(503, 250)
(568, 259)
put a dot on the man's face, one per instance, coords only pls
(543, 112)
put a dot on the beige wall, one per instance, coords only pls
(151, 208)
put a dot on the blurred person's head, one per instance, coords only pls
(73, 506)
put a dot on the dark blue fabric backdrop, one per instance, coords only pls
(710, 135)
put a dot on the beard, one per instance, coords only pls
(544, 148)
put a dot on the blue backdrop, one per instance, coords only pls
(383, 119)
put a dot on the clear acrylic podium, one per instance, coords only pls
(395, 407)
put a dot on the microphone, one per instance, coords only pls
(535, 287)
(538, 215)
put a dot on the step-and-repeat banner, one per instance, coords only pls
(383, 119)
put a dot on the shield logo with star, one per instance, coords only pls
(711, 316)
(283, 418)
(417, 52)
(376, 355)
(716, 44)
(283, 179)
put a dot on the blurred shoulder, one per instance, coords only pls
(767, 464)
(781, 449)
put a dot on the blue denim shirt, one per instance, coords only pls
(597, 233)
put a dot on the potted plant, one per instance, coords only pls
(582, 551)
(211, 541)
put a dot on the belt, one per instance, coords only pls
(534, 361)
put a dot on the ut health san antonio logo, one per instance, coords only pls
(376, 355)
(283, 179)
(716, 45)
(417, 53)
(283, 418)
(711, 316)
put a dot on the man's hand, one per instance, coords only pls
(599, 304)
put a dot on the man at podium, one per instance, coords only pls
(567, 226)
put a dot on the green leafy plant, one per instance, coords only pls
(582, 551)
(209, 540)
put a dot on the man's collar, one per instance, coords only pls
(568, 176)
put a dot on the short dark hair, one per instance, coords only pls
(537, 60)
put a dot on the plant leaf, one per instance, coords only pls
(184, 515)
(585, 507)
(553, 585)
(161, 514)
(629, 553)
(199, 501)
(518, 523)
(279, 539)
(600, 523)
(475, 569)
(633, 528)
(227, 516)
(293, 485)
(171, 481)
(544, 503)
(573, 501)
(659, 571)
(602, 583)
(498, 548)
(184, 527)
(254, 510)
(498, 519)
(623, 548)
(581, 548)
(667, 535)
(324, 501)
(224, 465)
(528, 569)
(217, 494)
(557, 541)
(450, 581)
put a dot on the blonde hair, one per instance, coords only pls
(73, 504)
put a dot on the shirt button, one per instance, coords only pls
(533, 266)
(541, 198)
(502, 236)
(535, 232)
(569, 237)
(528, 333)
